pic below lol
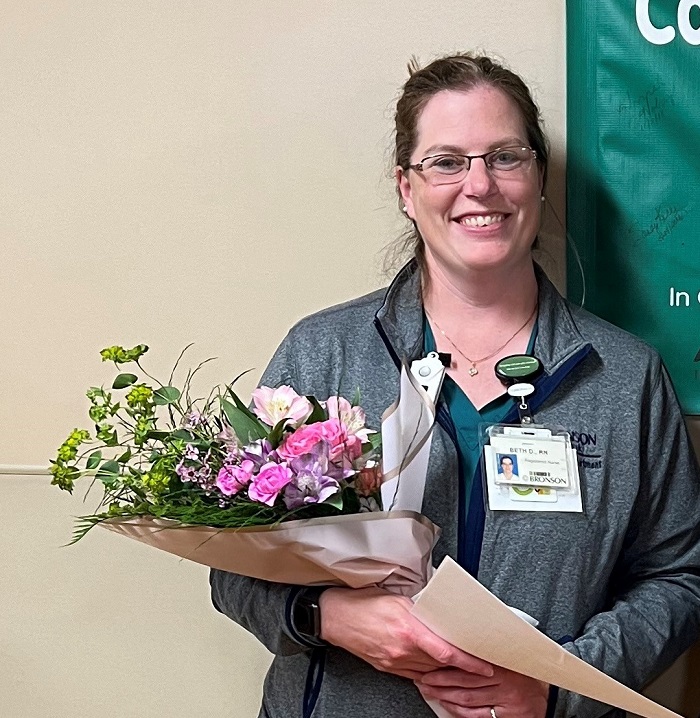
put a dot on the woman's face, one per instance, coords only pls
(481, 222)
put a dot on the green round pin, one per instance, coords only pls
(518, 368)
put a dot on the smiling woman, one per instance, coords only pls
(477, 229)
(487, 214)
(471, 161)
(471, 165)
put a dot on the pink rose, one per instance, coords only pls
(231, 479)
(271, 479)
(301, 441)
(332, 431)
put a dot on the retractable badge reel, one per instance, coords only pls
(517, 372)
(528, 467)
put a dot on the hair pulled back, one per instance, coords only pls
(460, 73)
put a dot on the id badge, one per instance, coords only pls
(530, 468)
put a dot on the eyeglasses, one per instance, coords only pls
(448, 168)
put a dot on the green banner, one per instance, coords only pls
(633, 173)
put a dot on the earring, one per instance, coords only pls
(404, 209)
(542, 198)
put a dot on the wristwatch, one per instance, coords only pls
(306, 615)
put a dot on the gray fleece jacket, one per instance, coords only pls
(618, 585)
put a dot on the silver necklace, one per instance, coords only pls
(473, 371)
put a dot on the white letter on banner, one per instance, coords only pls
(655, 35)
(690, 34)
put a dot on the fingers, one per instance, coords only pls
(454, 677)
(379, 628)
(445, 654)
(457, 711)
(466, 695)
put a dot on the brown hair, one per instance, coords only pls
(461, 73)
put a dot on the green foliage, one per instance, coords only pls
(277, 433)
(158, 453)
(318, 413)
(246, 427)
(336, 501)
(108, 473)
(140, 397)
(93, 461)
(166, 395)
(124, 380)
(119, 355)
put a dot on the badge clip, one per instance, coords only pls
(430, 372)
(520, 392)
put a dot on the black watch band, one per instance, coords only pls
(306, 615)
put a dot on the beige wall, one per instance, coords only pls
(173, 172)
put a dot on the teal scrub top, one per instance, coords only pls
(467, 418)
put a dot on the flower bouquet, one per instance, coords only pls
(287, 490)
(291, 491)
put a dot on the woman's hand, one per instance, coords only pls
(465, 695)
(378, 627)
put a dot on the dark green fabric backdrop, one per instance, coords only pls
(633, 173)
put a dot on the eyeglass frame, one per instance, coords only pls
(418, 167)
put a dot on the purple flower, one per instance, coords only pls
(260, 452)
(186, 473)
(194, 469)
(230, 442)
(194, 419)
(313, 481)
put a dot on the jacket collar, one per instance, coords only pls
(400, 320)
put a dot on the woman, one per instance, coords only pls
(506, 464)
(618, 584)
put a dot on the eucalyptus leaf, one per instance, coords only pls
(124, 380)
(246, 428)
(356, 397)
(166, 395)
(93, 460)
(108, 473)
(124, 457)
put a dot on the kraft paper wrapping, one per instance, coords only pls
(391, 550)
(459, 609)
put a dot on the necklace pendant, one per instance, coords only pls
(473, 371)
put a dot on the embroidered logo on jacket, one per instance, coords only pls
(586, 445)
